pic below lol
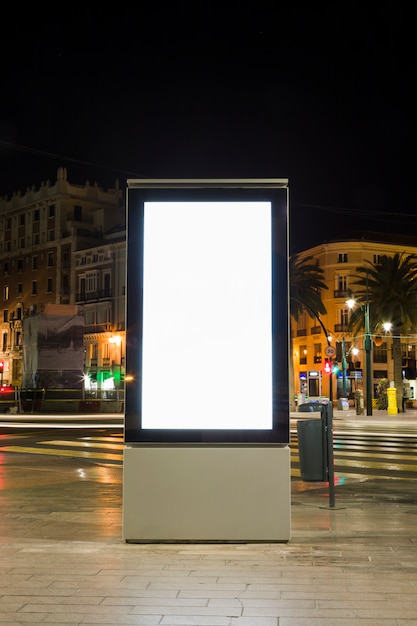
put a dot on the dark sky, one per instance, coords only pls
(321, 94)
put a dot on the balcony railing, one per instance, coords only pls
(86, 296)
(341, 293)
(97, 328)
(315, 330)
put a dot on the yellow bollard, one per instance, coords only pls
(392, 401)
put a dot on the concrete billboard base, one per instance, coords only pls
(201, 494)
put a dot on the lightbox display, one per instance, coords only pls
(207, 314)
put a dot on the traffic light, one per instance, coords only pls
(335, 367)
(1, 366)
(339, 351)
(327, 366)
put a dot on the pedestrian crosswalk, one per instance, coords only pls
(365, 455)
(355, 454)
(106, 450)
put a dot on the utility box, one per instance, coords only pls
(311, 443)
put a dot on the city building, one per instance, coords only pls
(63, 244)
(100, 284)
(311, 348)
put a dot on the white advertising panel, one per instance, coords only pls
(207, 340)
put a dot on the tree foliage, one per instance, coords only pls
(389, 289)
(306, 282)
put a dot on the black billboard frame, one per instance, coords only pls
(274, 191)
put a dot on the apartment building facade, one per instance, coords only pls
(339, 260)
(52, 241)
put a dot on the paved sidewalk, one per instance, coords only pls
(62, 559)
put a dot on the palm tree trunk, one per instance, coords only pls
(291, 378)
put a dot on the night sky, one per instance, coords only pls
(322, 95)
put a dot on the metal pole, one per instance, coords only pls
(344, 368)
(331, 386)
(368, 346)
(329, 455)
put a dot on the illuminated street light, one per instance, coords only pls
(368, 346)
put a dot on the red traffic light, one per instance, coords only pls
(328, 366)
(1, 366)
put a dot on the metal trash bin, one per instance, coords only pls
(311, 444)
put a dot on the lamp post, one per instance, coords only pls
(368, 346)
(344, 368)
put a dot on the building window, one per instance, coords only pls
(51, 234)
(8, 223)
(377, 259)
(344, 318)
(20, 265)
(34, 287)
(6, 268)
(19, 289)
(50, 260)
(342, 257)
(6, 292)
(65, 284)
(4, 348)
(91, 282)
(107, 282)
(36, 239)
(21, 242)
(5, 315)
(380, 354)
(90, 318)
(303, 355)
(34, 262)
(341, 283)
(51, 211)
(48, 285)
(317, 353)
(77, 213)
(36, 215)
(302, 320)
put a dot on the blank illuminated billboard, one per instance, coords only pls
(202, 333)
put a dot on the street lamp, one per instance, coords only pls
(368, 346)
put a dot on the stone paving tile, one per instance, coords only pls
(62, 559)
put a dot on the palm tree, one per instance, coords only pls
(390, 288)
(306, 283)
